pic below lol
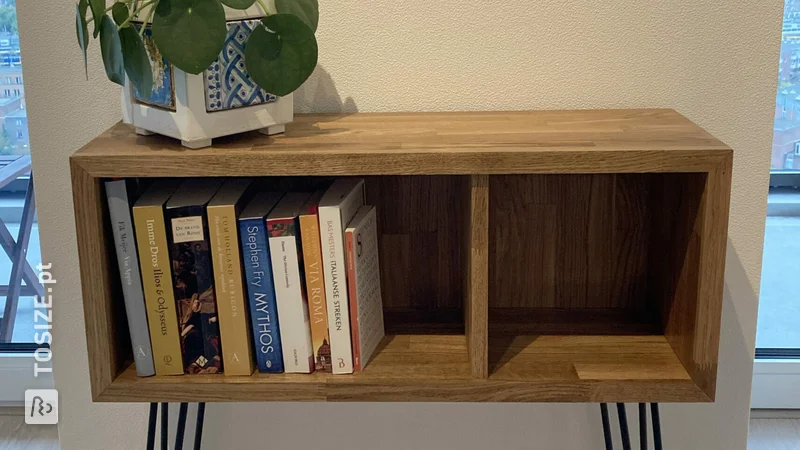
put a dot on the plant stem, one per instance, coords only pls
(109, 9)
(264, 7)
(134, 13)
(148, 19)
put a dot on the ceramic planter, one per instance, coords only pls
(220, 101)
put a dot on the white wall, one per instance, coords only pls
(714, 61)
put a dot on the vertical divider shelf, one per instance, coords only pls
(476, 293)
(531, 256)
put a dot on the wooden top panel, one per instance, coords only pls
(436, 368)
(585, 141)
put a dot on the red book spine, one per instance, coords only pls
(352, 290)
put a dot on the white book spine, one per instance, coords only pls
(333, 257)
(295, 328)
(367, 283)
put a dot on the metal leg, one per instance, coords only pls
(606, 426)
(656, 426)
(642, 426)
(164, 426)
(151, 426)
(623, 426)
(181, 426)
(198, 431)
(17, 264)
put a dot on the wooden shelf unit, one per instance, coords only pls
(569, 256)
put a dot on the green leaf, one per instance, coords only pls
(238, 4)
(282, 54)
(306, 10)
(137, 62)
(120, 13)
(111, 49)
(190, 33)
(82, 31)
(98, 10)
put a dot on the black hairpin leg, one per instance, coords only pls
(181, 426)
(656, 426)
(642, 426)
(623, 426)
(624, 430)
(606, 426)
(164, 425)
(151, 426)
(198, 431)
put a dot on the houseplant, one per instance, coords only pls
(199, 69)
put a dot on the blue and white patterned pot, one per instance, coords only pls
(222, 100)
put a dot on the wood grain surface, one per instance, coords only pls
(476, 303)
(436, 368)
(106, 336)
(577, 240)
(566, 256)
(585, 141)
(420, 240)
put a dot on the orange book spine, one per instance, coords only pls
(353, 291)
(315, 289)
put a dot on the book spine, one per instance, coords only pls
(332, 237)
(128, 262)
(353, 300)
(369, 305)
(151, 238)
(193, 285)
(290, 293)
(261, 295)
(315, 289)
(233, 321)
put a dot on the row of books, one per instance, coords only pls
(229, 275)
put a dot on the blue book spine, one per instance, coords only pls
(261, 294)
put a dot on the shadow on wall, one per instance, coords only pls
(319, 95)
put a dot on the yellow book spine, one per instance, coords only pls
(315, 288)
(234, 326)
(162, 319)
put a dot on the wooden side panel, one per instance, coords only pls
(715, 208)
(673, 258)
(476, 303)
(568, 241)
(107, 338)
(687, 263)
(421, 238)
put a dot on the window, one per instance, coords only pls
(778, 337)
(17, 327)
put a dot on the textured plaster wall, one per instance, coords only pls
(713, 61)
